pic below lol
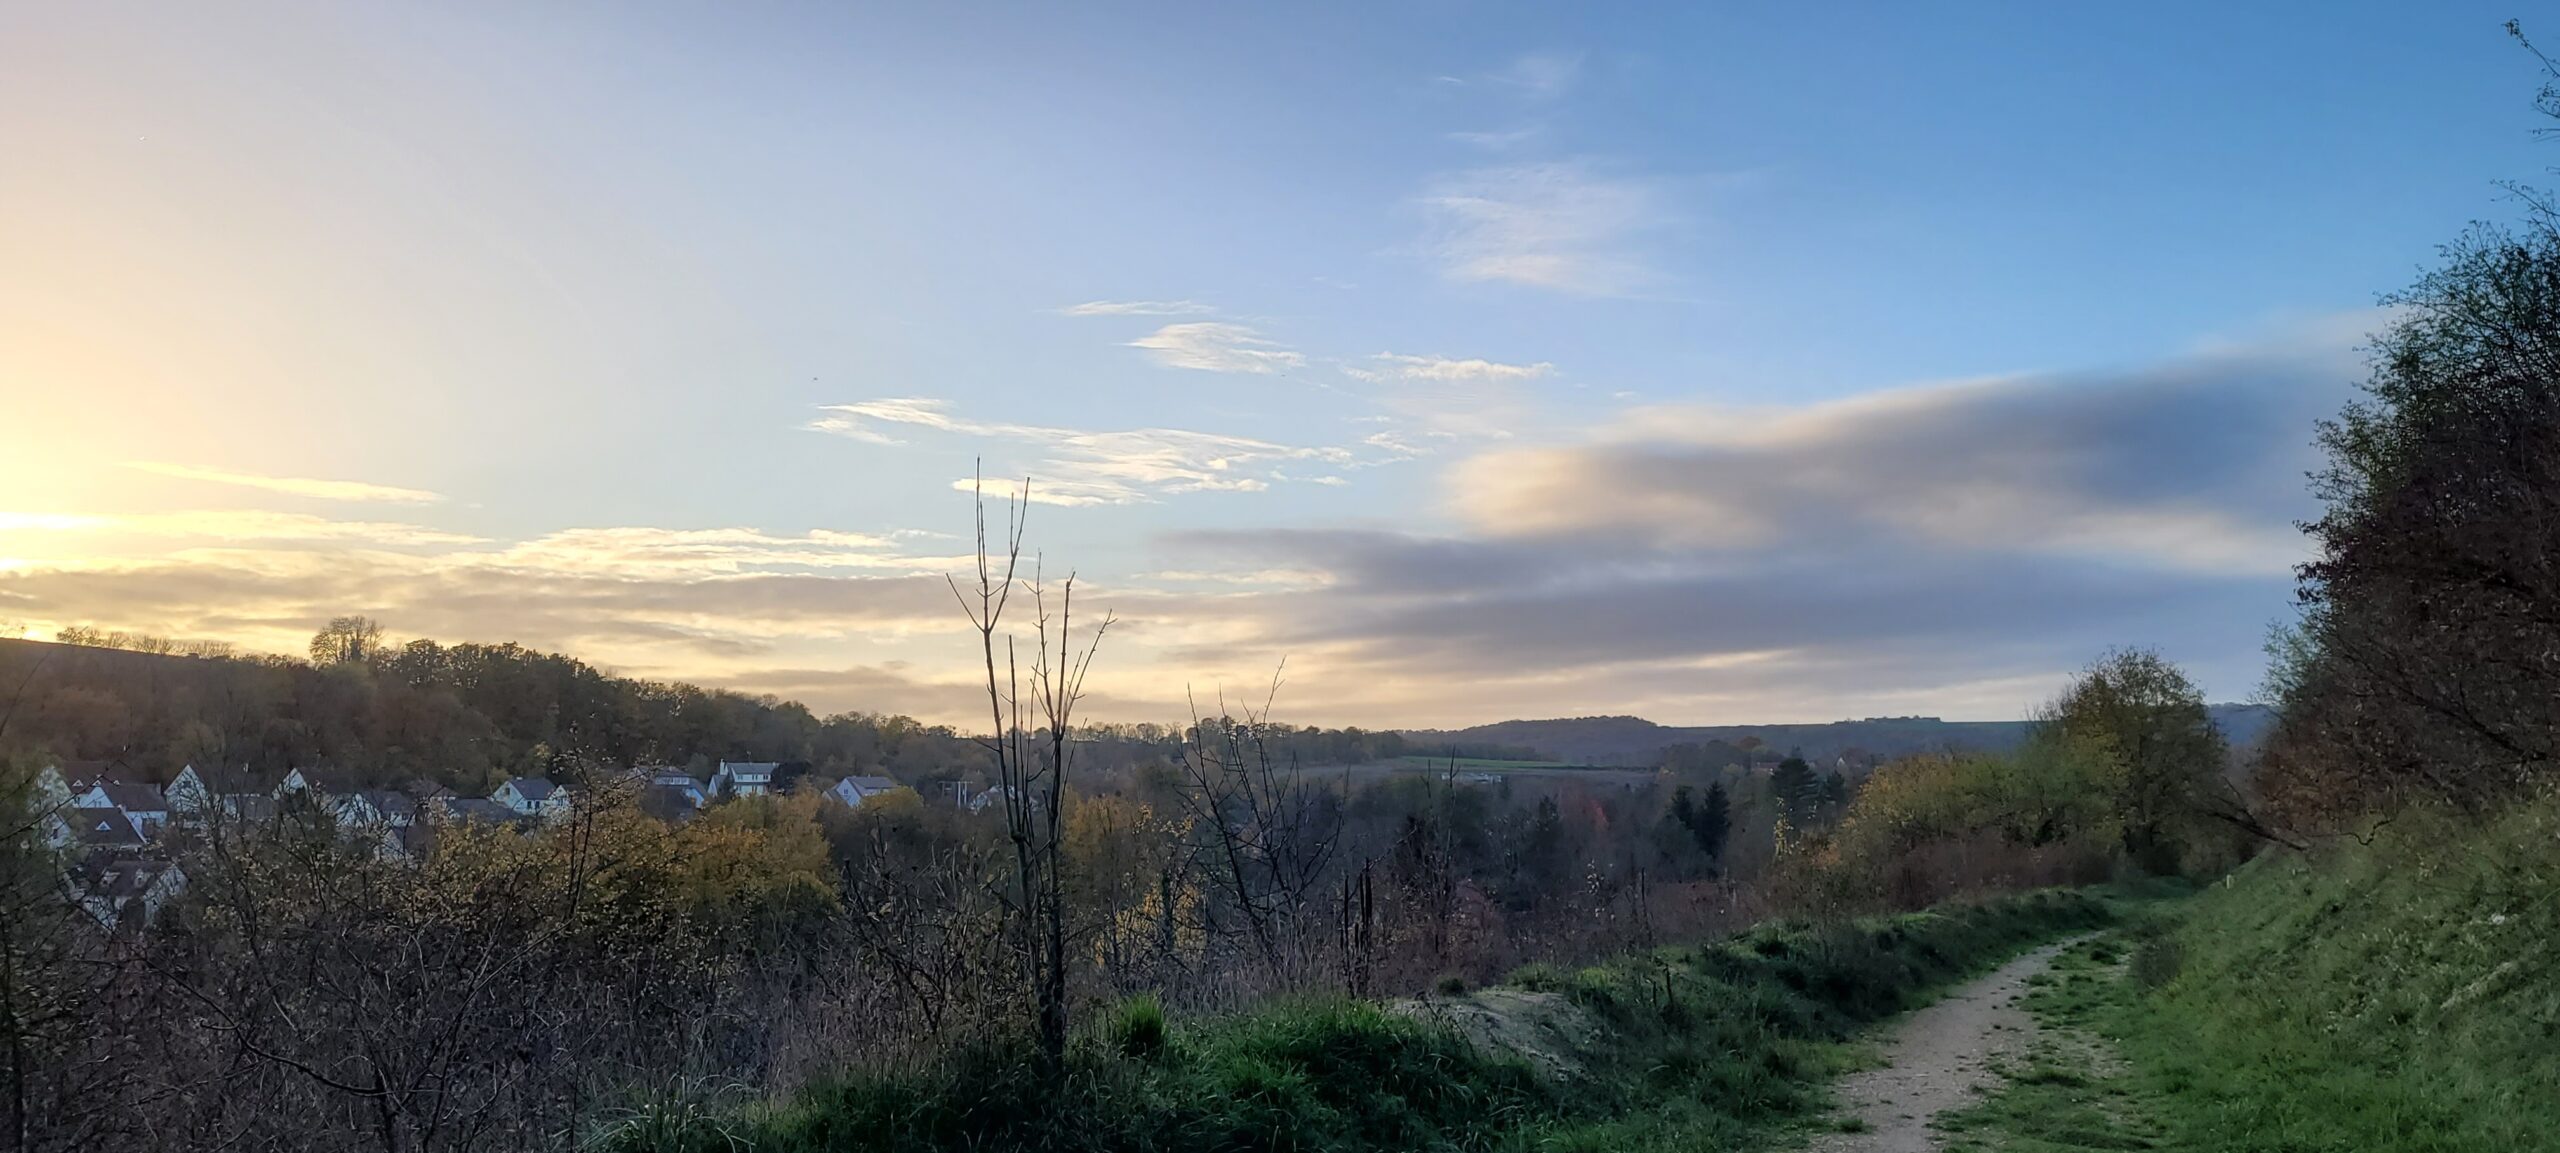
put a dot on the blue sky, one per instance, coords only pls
(1710, 362)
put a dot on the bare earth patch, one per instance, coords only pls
(1938, 1059)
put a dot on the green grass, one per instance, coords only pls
(1697, 1048)
(1478, 763)
(2401, 997)
(2068, 1094)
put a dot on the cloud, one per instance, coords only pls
(1449, 399)
(1396, 366)
(1082, 467)
(1960, 546)
(1137, 308)
(1560, 226)
(1542, 76)
(1499, 141)
(2195, 465)
(254, 525)
(1214, 346)
(347, 490)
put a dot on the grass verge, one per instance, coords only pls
(2396, 997)
(1690, 1047)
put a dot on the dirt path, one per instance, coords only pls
(1936, 1059)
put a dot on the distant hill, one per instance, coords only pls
(1637, 741)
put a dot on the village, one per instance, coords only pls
(124, 839)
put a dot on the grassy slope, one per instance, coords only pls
(1699, 1047)
(2400, 998)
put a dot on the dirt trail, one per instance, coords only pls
(1936, 1058)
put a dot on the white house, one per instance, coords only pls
(852, 791)
(52, 790)
(387, 808)
(743, 778)
(533, 797)
(672, 782)
(144, 805)
(119, 889)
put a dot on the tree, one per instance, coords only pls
(1714, 823)
(1032, 767)
(346, 640)
(1796, 790)
(2151, 723)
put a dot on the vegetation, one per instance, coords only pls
(1680, 1047)
(2367, 997)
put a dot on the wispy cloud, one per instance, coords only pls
(259, 525)
(1214, 346)
(1561, 226)
(1137, 308)
(1083, 467)
(347, 490)
(1542, 76)
(1499, 141)
(1398, 366)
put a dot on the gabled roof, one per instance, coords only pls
(116, 877)
(135, 798)
(478, 809)
(667, 803)
(872, 784)
(391, 803)
(750, 770)
(534, 789)
(82, 774)
(102, 827)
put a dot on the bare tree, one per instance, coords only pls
(1272, 832)
(1032, 768)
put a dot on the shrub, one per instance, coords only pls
(1137, 1028)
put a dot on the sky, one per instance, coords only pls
(1715, 363)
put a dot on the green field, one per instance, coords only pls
(1480, 764)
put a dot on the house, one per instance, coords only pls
(533, 797)
(675, 782)
(53, 790)
(388, 808)
(669, 803)
(144, 805)
(120, 888)
(314, 781)
(744, 778)
(852, 791)
(199, 789)
(478, 810)
(99, 827)
(407, 842)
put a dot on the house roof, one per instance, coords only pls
(118, 877)
(228, 778)
(750, 770)
(873, 784)
(668, 803)
(533, 788)
(135, 798)
(82, 774)
(102, 827)
(478, 809)
(389, 802)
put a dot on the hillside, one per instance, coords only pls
(1636, 741)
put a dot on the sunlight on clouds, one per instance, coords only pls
(1215, 346)
(347, 490)
(1397, 366)
(1137, 308)
(1559, 226)
(1080, 467)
